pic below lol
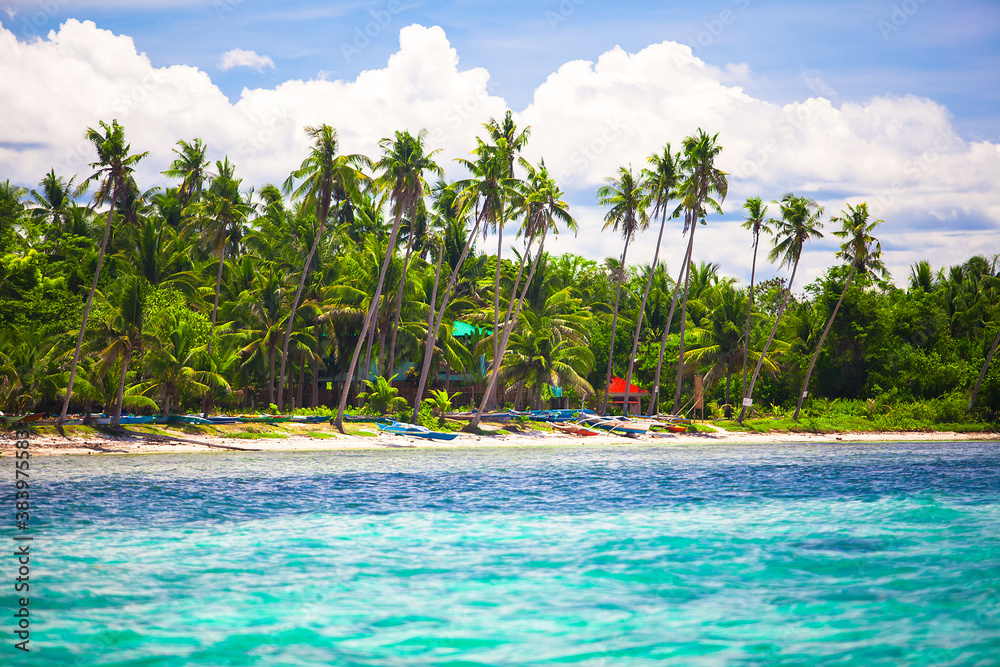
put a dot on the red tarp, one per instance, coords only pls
(617, 386)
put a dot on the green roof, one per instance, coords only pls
(466, 329)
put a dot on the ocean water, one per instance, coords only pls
(819, 554)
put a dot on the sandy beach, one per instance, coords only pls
(135, 442)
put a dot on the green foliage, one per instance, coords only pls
(382, 397)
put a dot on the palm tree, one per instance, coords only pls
(543, 208)
(627, 216)
(659, 184)
(326, 178)
(704, 179)
(507, 142)
(123, 330)
(114, 169)
(864, 253)
(406, 152)
(172, 362)
(456, 201)
(189, 166)
(756, 210)
(799, 222)
(53, 204)
(406, 177)
(219, 214)
(982, 373)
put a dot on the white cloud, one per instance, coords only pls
(937, 193)
(243, 58)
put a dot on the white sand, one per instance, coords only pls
(143, 444)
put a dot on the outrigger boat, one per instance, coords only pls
(189, 419)
(402, 428)
(575, 429)
(616, 425)
(310, 419)
(7, 420)
(263, 419)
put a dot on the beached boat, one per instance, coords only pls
(21, 419)
(616, 425)
(367, 419)
(402, 428)
(310, 419)
(574, 429)
(223, 419)
(189, 419)
(263, 419)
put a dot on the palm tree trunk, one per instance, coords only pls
(729, 377)
(298, 389)
(215, 312)
(495, 376)
(684, 303)
(372, 309)
(654, 400)
(746, 332)
(614, 326)
(748, 396)
(819, 346)
(496, 302)
(270, 384)
(295, 306)
(86, 311)
(314, 366)
(116, 416)
(642, 307)
(399, 298)
(380, 369)
(432, 331)
(982, 374)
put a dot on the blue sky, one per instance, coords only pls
(947, 51)
(901, 98)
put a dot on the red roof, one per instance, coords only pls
(617, 386)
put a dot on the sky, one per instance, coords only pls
(893, 103)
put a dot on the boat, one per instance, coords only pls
(310, 419)
(21, 419)
(367, 419)
(134, 419)
(223, 419)
(402, 428)
(189, 419)
(263, 419)
(574, 429)
(616, 425)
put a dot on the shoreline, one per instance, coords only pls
(142, 443)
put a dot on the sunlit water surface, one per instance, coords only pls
(620, 555)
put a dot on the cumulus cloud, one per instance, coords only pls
(243, 58)
(937, 192)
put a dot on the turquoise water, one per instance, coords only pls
(622, 555)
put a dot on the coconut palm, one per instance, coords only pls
(703, 181)
(627, 215)
(53, 204)
(406, 152)
(543, 208)
(864, 253)
(122, 332)
(114, 171)
(189, 166)
(982, 373)
(756, 210)
(173, 360)
(217, 216)
(406, 177)
(800, 221)
(326, 179)
(660, 185)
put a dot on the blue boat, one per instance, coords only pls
(223, 419)
(189, 419)
(402, 428)
(310, 419)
